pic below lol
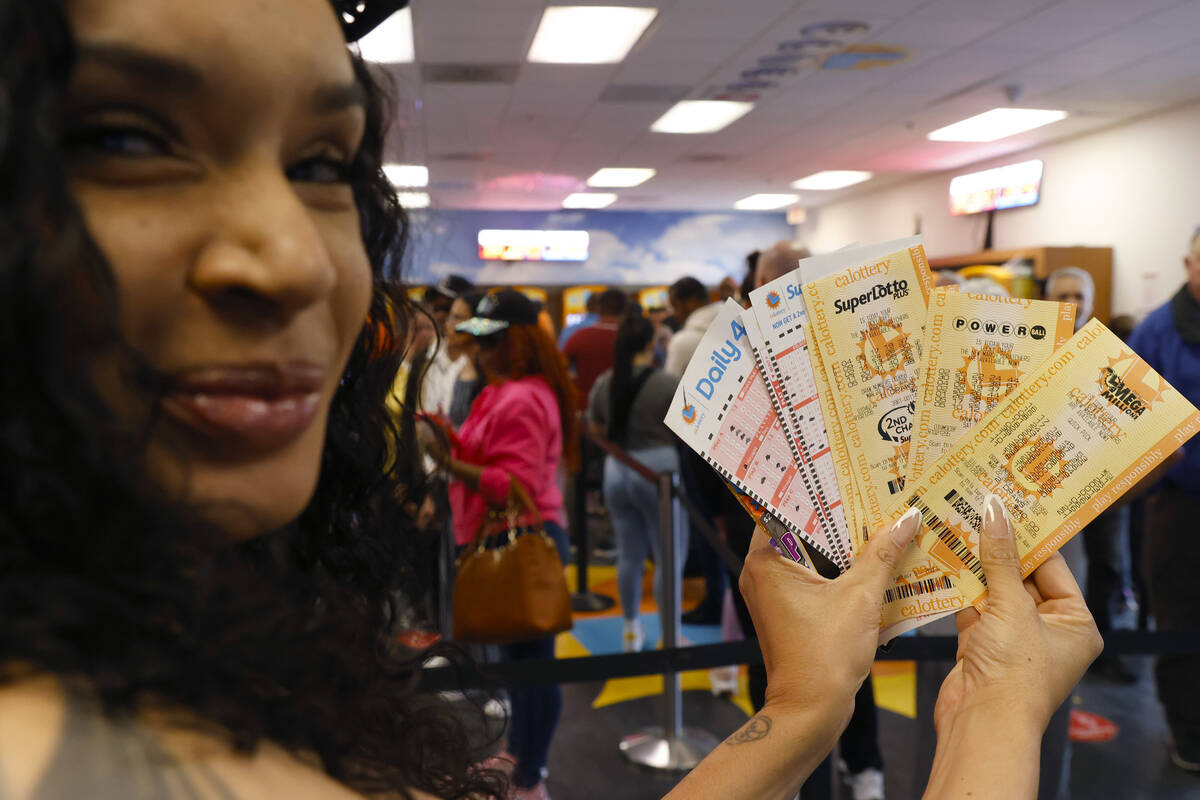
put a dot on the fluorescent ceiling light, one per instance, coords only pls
(391, 42)
(765, 202)
(588, 34)
(700, 116)
(996, 124)
(589, 200)
(413, 199)
(407, 174)
(620, 177)
(832, 179)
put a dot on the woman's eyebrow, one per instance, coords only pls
(339, 97)
(152, 69)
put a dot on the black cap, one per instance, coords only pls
(497, 311)
(452, 286)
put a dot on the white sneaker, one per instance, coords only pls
(634, 637)
(724, 680)
(866, 785)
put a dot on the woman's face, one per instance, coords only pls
(208, 146)
(460, 312)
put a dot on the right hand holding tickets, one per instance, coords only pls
(1032, 643)
(817, 635)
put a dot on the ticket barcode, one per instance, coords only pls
(951, 540)
(907, 590)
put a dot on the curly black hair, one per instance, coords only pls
(102, 578)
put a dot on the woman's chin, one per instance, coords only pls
(246, 499)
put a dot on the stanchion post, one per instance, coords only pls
(670, 747)
(584, 599)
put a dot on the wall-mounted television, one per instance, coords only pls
(1010, 186)
(518, 245)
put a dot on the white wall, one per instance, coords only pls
(1135, 188)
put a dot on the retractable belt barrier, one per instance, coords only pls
(695, 516)
(591, 669)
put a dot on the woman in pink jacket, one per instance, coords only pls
(521, 426)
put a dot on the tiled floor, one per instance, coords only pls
(585, 763)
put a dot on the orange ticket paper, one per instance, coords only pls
(975, 350)
(867, 320)
(1074, 435)
(843, 470)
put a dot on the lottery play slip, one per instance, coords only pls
(851, 390)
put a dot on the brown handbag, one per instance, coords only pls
(510, 586)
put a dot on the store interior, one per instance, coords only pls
(674, 140)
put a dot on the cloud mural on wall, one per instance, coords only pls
(626, 247)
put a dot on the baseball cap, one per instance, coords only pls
(497, 311)
(452, 286)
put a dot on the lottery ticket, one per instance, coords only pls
(866, 321)
(788, 374)
(1074, 435)
(974, 352)
(722, 409)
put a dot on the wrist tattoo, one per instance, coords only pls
(757, 728)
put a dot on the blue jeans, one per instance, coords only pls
(535, 709)
(632, 503)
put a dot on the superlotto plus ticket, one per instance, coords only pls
(722, 409)
(867, 320)
(975, 350)
(1074, 435)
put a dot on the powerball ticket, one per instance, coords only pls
(1072, 437)
(803, 424)
(722, 409)
(867, 320)
(975, 350)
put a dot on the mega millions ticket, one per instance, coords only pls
(722, 409)
(1072, 437)
(789, 377)
(867, 320)
(975, 350)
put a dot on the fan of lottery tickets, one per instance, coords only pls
(851, 390)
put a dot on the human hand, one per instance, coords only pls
(1029, 647)
(818, 636)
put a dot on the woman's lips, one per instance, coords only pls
(260, 407)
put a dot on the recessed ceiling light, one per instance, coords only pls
(391, 42)
(589, 200)
(700, 116)
(832, 179)
(620, 177)
(765, 202)
(996, 124)
(588, 34)
(414, 175)
(413, 199)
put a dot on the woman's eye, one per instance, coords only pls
(320, 169)
(117, 141)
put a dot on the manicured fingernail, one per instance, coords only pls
(906, 527)
(993, 510)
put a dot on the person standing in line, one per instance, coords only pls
(469, 381)
(521, 427)
(590, 317)
(627, 406)
(590, 351)
(446, 357)
(1106, 538)
(1169, 340)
